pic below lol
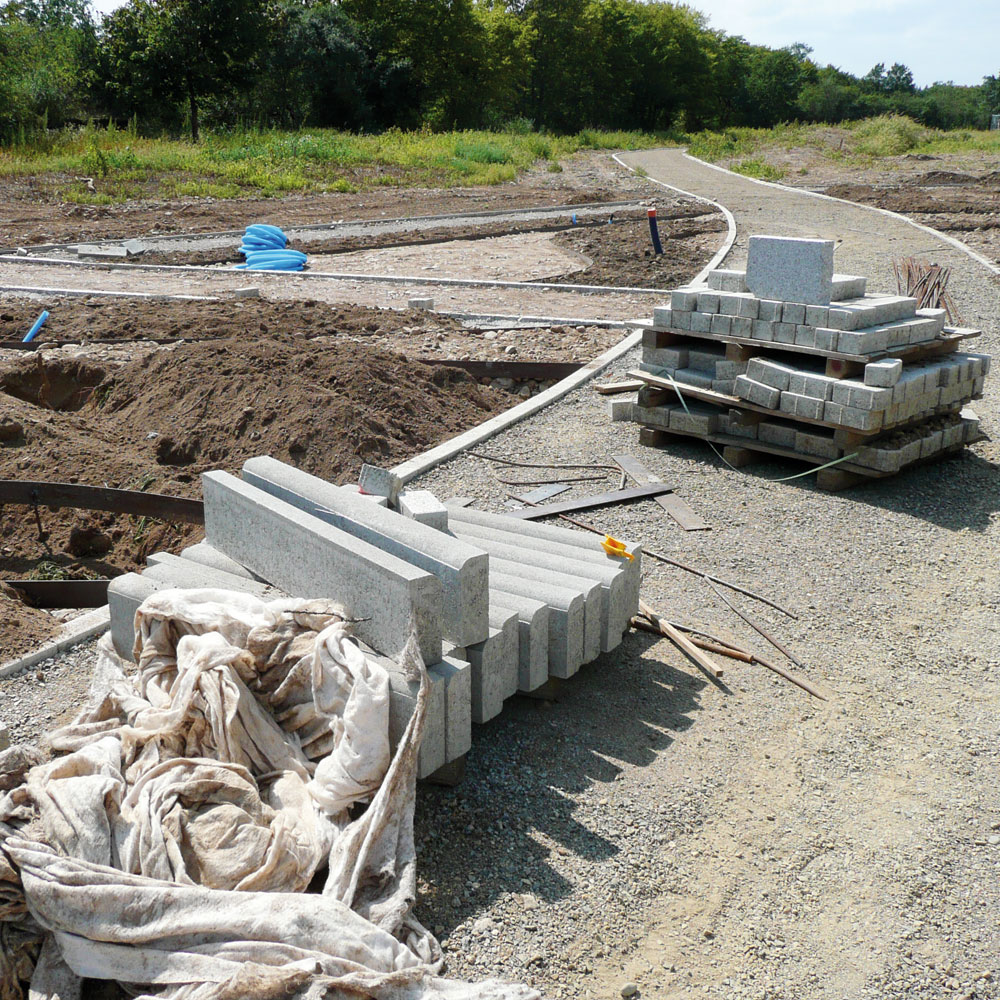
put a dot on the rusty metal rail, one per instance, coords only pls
(43, 494)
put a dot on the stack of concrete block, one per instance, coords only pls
(791, 336)
(496, 605)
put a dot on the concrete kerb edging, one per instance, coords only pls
(530, 321)
(730, 239)
(237, 233)
(102, 293)
(76, 631)
(957, 244)
(420, 464)
(387, 279)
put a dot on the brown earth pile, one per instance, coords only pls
(156, 423)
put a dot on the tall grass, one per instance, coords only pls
(268, 163)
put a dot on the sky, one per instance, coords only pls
(940, 40)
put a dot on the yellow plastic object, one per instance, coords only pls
(615, 548)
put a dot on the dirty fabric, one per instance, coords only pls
(169, 841)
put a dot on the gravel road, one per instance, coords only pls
(741, 840)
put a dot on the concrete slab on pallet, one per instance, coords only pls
(462, 569)
(308, 557)
(790, 269)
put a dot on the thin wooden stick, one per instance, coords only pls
(705, 644)
(681, 641)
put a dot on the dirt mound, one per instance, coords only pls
(111, 319)
(942, 178)
(54, 384)
(156, 423)
(23, 627)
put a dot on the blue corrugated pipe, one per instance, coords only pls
(264, 249)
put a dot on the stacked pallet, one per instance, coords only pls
(496, 605)
(788, 358)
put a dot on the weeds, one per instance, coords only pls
(757, 167)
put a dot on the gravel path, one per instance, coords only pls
(742, 840)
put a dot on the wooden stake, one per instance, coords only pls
(681, 641)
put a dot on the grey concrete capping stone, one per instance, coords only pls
(532, 637)
(790, 269)
(462, 568)
(203, 553)
(180, 572)
(403, 701)
(378, 482)
(615, 609)
(423, 506)
(586, 545)
(125, 594)
(307, 557)
(456, 676)
(567, 609)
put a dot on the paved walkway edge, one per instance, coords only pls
(80, 629)
(957, 244)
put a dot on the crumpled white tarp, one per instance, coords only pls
(169, 842)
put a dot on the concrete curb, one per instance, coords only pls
(76, 631)
(937, 234)
(101, 293)
(730, 239)
(387, 279)
(529, 321)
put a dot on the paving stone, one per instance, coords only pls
(784, 333)
(772, 373)
(793, 312)
(789, 269)
(379, 482)
(807, 383)
(757, 393)
(769, 310)
(727, 281)
(684, 298)
(884, 374)
(722, 325)
(423, 506)
(663, 317)
(805, 336)
(848, 286)
(802, 406)
(817, 315)
(708, 302)
(701, 322)
(821, 445)
(780, 435)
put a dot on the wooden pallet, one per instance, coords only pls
(838, 365)
(740, 452)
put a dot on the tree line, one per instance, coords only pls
(365, 65)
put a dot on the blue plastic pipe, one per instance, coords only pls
(653, 231)
(38, 324)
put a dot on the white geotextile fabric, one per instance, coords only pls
(168, 842)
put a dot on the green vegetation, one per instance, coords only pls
(121, 164)
(758, 167)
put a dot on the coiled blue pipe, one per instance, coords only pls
(264, 249)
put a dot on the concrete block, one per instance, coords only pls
(379, 483)
(805, 336)
(801, 406)
(125, 594)
(88, 252)
(826, 339)
(532, 637)
(423, 506)
(727, 281)
(203, 553)
(708, 302)
(666, 357)
(820, 445)
(792, 270)
(494, 663)
(724, 385)
(663, 317)
(862, 341)
(421, 303)
(701, 322)
(308, 557)
(757, 393)
(883, 374)
(748, 307)
(722, 325)
(866, 397)
(784, 333)
(187, 573)
(249, 292)
(769, 310)
(456, 678)
(567, 613)
(861, 420)
(653, 416)
(622, 410)
(872, 310)
(772, 373)
(793, 312)
(780, 435)
(691, 376)
(742, 430)
(462, 570)
(369, 497)
(763, 329)
(811, 384)
(730, 369)
(705, 357)
(506, 554)
(680, 319)
(882, 459)
(833, 413)
(729, 303)
(817, 315)
(402, 703)
(848, 286)
(742, 326)
(558, 540)
(699, 418)
(684, 298)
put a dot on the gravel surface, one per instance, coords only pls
(742, 840)
(649, 832)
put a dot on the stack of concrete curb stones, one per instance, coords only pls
(790, 359)
(497, 605)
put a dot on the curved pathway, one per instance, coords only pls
(743, 841)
